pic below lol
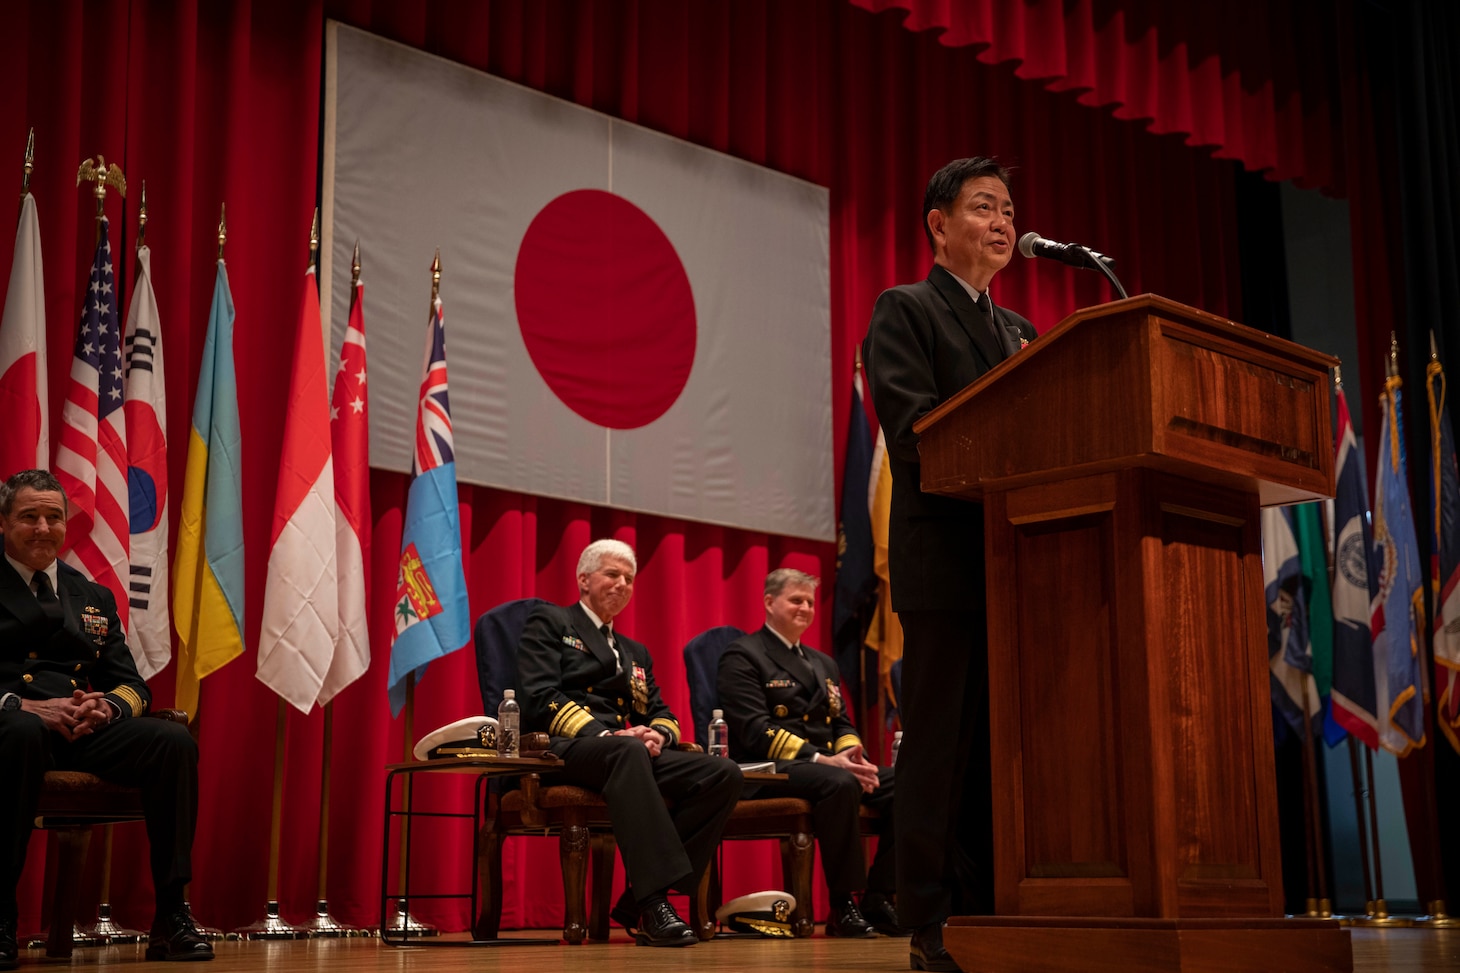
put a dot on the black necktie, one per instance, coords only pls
(799, 651)
(618, 664)
(45, 595)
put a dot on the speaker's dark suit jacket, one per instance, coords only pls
(927, 341)
(41, 660)
(571, 690)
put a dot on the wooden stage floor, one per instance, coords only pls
(1375, 951)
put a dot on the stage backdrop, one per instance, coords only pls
(217, 102)
(632, 320)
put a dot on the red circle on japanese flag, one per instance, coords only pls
(605, 309)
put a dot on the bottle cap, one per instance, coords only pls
(509, 694)
(718, 714)
(897, 735)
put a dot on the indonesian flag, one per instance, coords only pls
(350, 435)
(145, 407)
(301, 595)
(27, 440)
(91, 461)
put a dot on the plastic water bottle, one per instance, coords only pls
(719, 735)
(509, 718)
(896, 746)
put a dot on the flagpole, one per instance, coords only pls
(271, 926)
(323, 924)
(1319, 905)
(1360, 787)
(1378, 911)
(29, 166)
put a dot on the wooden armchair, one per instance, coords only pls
(71, 804)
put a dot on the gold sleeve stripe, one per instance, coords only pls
(132, 698)
(846, 742)
(575, 724)
(785, 745)
(668, 726)
(570, 719)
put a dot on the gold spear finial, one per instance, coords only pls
(103, 176)
(29, 164)
(1338, 377)
(857, 360)
(1392, 368)
(1434, 348)
(314, 240)
(222, 228)
(435, 278)
(142, 218)
(355, 266)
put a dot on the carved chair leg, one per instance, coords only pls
(72, 844)
(573, 854)
(604, 850)
(488, 922)
(701, 909)
(798, 856)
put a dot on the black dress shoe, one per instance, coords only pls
(877, 909)
(9, 949)
(927, 952)
(660, 925)
(625, 911)
(846, 921)
(175, 937)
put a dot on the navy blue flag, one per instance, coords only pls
(856, 582)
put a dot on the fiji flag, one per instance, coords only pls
(1353, 591)
(1399, 609)
(431, 612)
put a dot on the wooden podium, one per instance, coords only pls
(1122, 460)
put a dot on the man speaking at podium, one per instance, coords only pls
(926, 342)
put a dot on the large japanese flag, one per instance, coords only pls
(636, 321)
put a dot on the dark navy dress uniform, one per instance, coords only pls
(783, 707)
(575, 689)
(46, 658)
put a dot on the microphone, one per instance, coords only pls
(1032, 244)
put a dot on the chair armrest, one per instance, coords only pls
(171, 715)
(689, 747)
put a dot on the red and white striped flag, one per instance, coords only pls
(350, 433)
(301, 595)
(23, 397)
(91, 460)
(146, 411)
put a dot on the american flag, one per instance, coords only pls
(434, 444)
(91, 458)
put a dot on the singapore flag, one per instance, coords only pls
(637, 321)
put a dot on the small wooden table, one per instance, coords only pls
(484, 768)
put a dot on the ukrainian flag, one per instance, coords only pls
(207, 598)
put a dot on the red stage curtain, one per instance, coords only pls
(1255, 81)
(219, 102)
